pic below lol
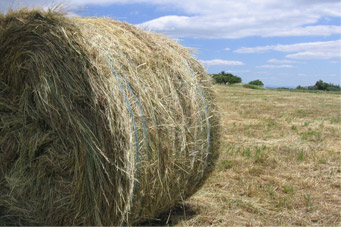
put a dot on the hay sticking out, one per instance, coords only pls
(101, 123)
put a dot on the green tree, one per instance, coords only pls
(256, 82)
(219, 78)
(226, 78)
(323, 86)
(320, 85)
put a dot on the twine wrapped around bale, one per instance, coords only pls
(101, 123)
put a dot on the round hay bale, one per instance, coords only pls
(101, 123)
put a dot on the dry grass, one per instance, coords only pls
(279, 164)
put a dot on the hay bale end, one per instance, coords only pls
(101, 123)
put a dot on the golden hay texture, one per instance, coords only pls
(101, 123)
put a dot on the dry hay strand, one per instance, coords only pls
(101, 123)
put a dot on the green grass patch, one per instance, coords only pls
(306, 91)
(335, 120)
(288, 189)
(311, 136)
(251, 86)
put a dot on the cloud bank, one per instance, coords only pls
(226, 18)
(274, 66)
(310, 50)
(221, 62)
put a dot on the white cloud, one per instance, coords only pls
(238, 71)
(290, 47)
(317, 30)
(276, 61)
(301, 75)
(221, 62)
(274, 66)
(236, 19)
(227, 49)
(315, 55)
(227, 18)
(310, 50)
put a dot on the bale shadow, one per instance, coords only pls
(178, 213)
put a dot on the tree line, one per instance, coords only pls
(228, 78)
(322, 86)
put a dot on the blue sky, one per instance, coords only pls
(283, 43)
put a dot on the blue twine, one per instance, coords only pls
(154, 118)
(138, 101)
(157, 131)
(133, 119)
(206, 112)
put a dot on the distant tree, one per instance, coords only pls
(226, 78)
(323, 86)
(233, 79)
(320, 85)
(256, 82)
(220, 79)
(334, 88)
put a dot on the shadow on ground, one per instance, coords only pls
(178, 213)
(174, 216)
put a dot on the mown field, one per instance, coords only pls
(279, 163)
